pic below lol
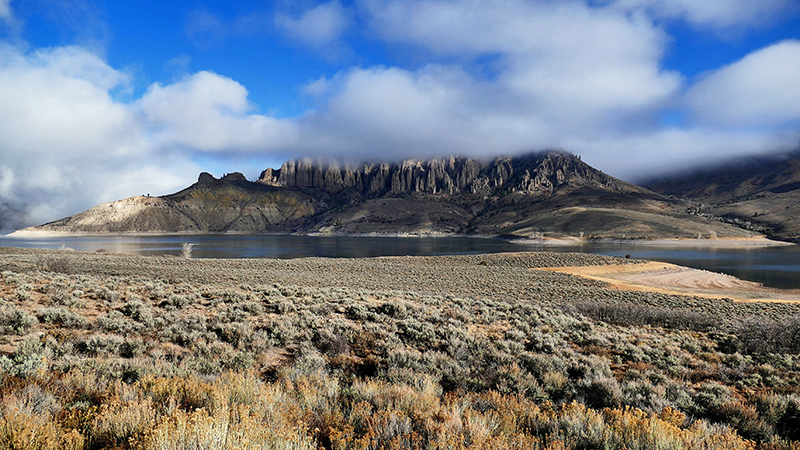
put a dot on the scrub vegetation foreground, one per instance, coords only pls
(479, 351)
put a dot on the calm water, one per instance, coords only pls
(773, 266)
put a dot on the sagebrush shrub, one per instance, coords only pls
(62, 316)
(14, 320)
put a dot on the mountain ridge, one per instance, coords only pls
(543, 194)
(760, 193)
(452, 175)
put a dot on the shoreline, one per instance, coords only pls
(25, 233)
(710, 243)
(571, 241)
(749, 242)
(614, 272)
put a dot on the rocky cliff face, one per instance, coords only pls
(452, 176)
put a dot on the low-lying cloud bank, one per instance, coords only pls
(588, 79)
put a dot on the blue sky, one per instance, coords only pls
(104, 100)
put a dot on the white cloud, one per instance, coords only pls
(65, 144)
(639, 156)
(6, 181)
(394, 113)
(209, 112)
(5, 9)
(321, 25)
(565, 71)
(567, 62)
(585, 79)
(761, 89)
(563, 74)
(390, 109)
(317, 88)
(717, 14)
(58, 99)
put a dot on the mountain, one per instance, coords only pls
(552, 193)
(211, 205)
(759, 193)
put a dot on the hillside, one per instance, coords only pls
(210, 205)
(553, 194)
(760, 193)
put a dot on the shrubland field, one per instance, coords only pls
(461, 352)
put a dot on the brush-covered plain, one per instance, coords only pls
(462, 352)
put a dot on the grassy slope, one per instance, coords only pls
(757, 193)
(471, 351)
(215, 208)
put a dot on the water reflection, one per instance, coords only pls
(773, 266)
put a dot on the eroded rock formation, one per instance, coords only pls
(452, 176)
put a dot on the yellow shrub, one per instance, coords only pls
(187, 393)
(36, 432)
(200, 429)
(117, 422)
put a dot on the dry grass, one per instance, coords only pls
(310, 412)
(545, 361)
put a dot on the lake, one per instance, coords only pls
(773, 266)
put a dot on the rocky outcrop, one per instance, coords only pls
(206, 179)
(451, 176)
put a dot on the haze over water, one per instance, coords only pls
(773, 266)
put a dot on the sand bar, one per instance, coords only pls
(672, 279)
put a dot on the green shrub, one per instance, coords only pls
(116, 322)
(138, 311)
(103, 344)
(62, 316)
(15, 320)
(26, 360)
(599, 393)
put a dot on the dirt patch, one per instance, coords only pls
(668, 278)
